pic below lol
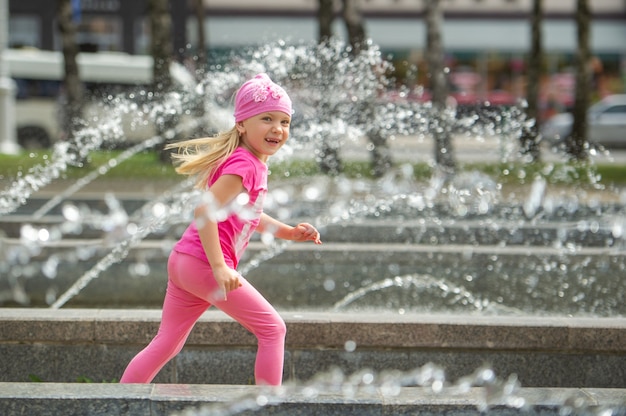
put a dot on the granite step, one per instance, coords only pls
(67, 345)
(53, 399)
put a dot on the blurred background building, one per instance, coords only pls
(486, 41)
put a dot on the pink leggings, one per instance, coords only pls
(189, 290)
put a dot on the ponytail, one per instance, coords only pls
(202, 156)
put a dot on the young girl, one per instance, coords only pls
(202, 265)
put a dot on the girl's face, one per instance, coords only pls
(264, 133)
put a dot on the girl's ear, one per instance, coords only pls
(240, 128)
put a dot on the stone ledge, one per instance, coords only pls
(324, 329)
(73, 344)
(162, 399)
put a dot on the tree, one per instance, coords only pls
(441, 124)
(353, 19)
(161, 50)
(161, 47)
(376, 134)
(576, 142)
(201, 55)
(71, 76)
(529, 139)
(328, 158)
(325, 17)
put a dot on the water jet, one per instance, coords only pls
(458, 249)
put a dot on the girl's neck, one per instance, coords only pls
(262, 158)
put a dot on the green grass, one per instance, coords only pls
(505, 173)
(146, 165)
(576, 174)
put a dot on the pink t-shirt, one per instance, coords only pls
(236, 230)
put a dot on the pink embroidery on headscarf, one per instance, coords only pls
(264, 90)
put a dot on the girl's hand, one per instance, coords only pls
(227, 279)
(305, 232)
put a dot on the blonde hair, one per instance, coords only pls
(202, 156)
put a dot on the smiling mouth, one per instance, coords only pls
(273, 141)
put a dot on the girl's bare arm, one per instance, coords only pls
(301, 232)
(224, 190)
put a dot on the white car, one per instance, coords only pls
(39, 74)
(606, 120)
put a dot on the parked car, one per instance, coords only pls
(38, 75)
(606, 120)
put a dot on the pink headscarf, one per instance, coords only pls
(260, 95)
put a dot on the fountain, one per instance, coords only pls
(393, 246)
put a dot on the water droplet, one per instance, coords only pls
(49, 268)
(242, 199)
(267, 238)
(71, 212)
(329, 285)
(139, 269)
(159, 209)
(367, 378)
